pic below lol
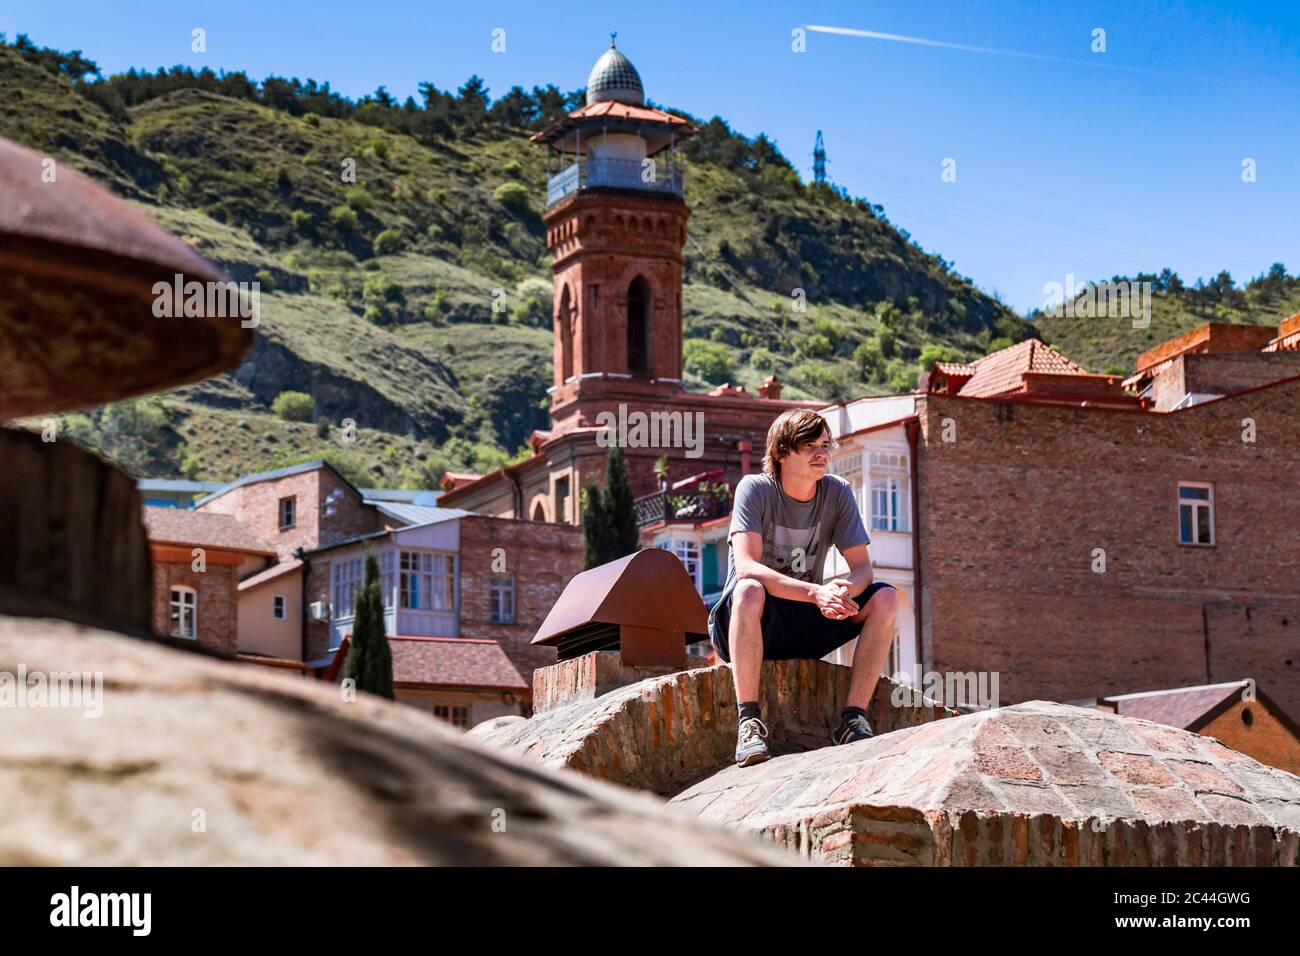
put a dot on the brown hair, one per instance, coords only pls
(791, 430)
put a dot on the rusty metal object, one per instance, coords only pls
(78, 267)
(644, 604)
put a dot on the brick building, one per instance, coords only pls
(302, 506)
(451, 575)
(1084, 548)
(469, 581)
(198, 562)
(1079, 535)
(615, 226)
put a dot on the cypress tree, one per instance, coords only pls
(595, 527)
(625, 536)
(370, 659)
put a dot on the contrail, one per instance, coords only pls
(922, 41)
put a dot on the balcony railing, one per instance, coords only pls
(699, 503)
(649, 176)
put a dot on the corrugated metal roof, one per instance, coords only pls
(401, 495)
(176, 484)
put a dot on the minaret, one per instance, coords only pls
(615, 225)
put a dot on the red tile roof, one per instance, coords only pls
(1181, 707)
(451, 480)
(204, 529)
(453, 662)
(1002, 371)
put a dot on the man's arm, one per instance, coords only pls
(747, 555)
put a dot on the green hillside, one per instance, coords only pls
(381, 291)
(1111, 344)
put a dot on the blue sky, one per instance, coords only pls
(1067, 161)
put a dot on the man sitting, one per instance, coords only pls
(773, 606)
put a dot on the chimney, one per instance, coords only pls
(770, 389)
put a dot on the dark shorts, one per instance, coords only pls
(791, 629)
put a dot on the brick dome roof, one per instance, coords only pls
(614, 78)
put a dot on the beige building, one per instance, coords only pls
(271, 614)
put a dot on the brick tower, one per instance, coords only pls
(615, 226)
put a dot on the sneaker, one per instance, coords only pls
(851, 729)
(751, 742)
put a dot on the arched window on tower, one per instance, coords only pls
(564, 329)
(638, 327)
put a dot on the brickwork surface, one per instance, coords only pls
(1012, 513)
(1037, 784)
(666, 732)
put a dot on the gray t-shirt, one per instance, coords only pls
(796, 534)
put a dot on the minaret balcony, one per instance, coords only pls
(648, 175)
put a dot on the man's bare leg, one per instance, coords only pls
(745, 637)
(872, 650)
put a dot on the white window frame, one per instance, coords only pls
(426, 580)
(689, 553)
(292, 502)
(1196, 505)
(889, 476)
(849, 467)
(179, 609)
(280, 607)
(346, 578)
(501, 599)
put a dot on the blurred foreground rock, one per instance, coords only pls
(280, 770)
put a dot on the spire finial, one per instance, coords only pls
(612, 37)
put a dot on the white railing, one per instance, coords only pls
(648, 175)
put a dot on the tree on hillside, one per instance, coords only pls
(370, 660)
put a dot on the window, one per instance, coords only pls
(386, 560)
(347, 581)
(349, 576)
(562, 501)
(501, 599)
(638, 327)
(456, 716)
(288, 512)
(850, 469)
(185, 613)
(1195, 513)
(889, 479)
(426, 581)
(278, 604)
(688, 553)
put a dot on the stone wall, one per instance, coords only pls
(664, 732)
